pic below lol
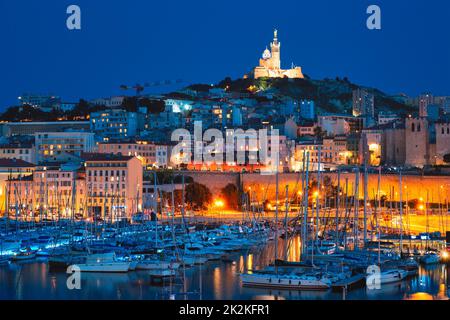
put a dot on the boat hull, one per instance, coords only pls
(431, 259)
(24, 257)
(105, 267)
(161, 265)
(273, 281)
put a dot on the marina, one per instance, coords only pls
(293, 246)
(218, 279)
(259, 182)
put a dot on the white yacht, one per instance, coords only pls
(388, 276)
(151, 264)
(104, 262)
(285, 281)
(9, 245)
(26, 254)
(430, 258)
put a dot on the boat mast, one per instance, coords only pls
(365, 189)
(381, 210)
(173, 213)
(7, 191)
(401, 211)
(316, 234)
(182, 202)
(16, 206)
(155, 197)
(276, 210)
(303, 230)
(305, 204)
(356, 208)
(427, 222)
(346, 214)
(336, 218)
(286, 238)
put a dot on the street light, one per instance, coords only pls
(219, 203)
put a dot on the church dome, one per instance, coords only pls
(266, 54)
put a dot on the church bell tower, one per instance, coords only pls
(275, 49)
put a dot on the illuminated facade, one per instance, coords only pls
(150, 153)
(113, 185)
(442, 142)
(18, 151)
(114, 124)
(48, 192)
(270, 63)
(12, 169)
(373, 140)
(62, 146)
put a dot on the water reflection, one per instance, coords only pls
(214, 280)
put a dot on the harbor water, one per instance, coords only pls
(214, 280)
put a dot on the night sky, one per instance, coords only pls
(125, 42)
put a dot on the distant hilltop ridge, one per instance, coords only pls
(330, 95)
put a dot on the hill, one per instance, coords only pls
(330, 95)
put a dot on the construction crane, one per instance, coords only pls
(139, 87)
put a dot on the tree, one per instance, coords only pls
(83, 108)
(153, 106)
(230, 193)
(29, 113)
(177, 198)
(413, 203)
(319, 133)
(447, 158)
(197, 195)
(383, 200)
(163, 176)
(130, 104)
(327, 189)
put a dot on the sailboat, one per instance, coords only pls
(4, 260)
(150, 263)
(430, 257)
(389, 276)
(104, 262)
(3, 257)
(24, 254)
(270, 279)
(400, 270)
(287, 281)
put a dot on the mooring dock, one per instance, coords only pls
(348, 283)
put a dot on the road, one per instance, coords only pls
(412, 223)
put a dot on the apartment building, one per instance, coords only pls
(62, 146)
(113, 185)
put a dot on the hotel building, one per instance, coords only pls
(62, 146)
(113, 185)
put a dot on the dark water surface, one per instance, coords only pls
(214, 280)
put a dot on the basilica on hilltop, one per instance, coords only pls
(270, 63)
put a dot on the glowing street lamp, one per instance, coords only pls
(219, 203)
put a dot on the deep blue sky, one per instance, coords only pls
(204, 41)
